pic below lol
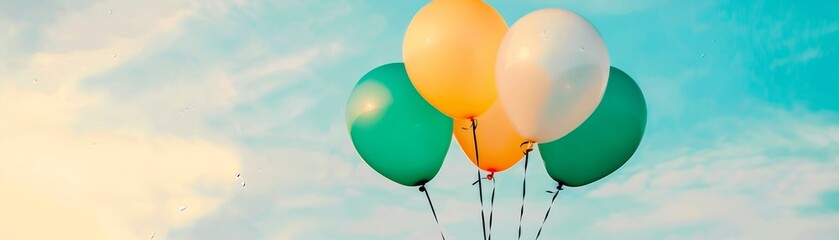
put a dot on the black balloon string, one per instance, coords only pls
(480, 187)
(524, 182)
(491, 177)
(558, 188)
(422, 189)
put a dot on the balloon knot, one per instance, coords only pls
(422, 188)
(529, 145)
(490, 176)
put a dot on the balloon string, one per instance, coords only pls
(558, 188)
(491, 205)
(524, 183)
(422, 189)
(480, 187)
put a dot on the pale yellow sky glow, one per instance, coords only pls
(59, 182)
(62, 181)
(228, 119)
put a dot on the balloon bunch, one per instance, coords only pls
(545, 81)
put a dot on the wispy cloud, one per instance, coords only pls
(742, 188)
(285, 70)
(58, 173)
(132, 181)
(165, 102)
(397, 220)
(800, 57)
(619, 7)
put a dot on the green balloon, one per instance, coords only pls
(394, 129)
(605, 141)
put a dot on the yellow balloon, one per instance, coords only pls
(449, 52)
(498, 142)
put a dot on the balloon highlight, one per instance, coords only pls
(394, 129)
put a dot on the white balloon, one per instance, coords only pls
(551, 73)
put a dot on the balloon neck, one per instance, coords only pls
(421, 182)
(529, 145)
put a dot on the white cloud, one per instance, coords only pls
(283, 71)
(121, 184)
(456, 203)
(800, 57)
(73, 50)
(614, 7)
(390, 221)
(185, 101)
(61, 179)
(300, 228)
(308, 201)
(749, 187)
(73, 30)
(300, 61)
(657, 86)
(634, 184)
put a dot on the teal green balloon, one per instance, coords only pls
(394, 129)
(605, 141)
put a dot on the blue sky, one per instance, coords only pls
(117, 114)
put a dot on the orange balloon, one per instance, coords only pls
(449, 52)
(498, 143)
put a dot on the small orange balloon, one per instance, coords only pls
(498, 143)
(449, 52)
